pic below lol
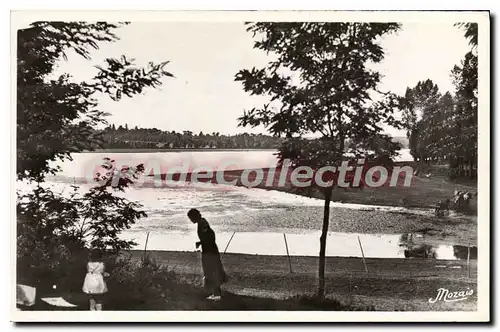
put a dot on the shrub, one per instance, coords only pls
(53, 229)
(141, 284)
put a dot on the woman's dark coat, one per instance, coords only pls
(210, 257)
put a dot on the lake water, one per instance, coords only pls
(169, 228)
(84, 164)
(306, 244)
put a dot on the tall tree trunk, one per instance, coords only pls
(471, 168)
(322, 242)
(326, 212)
(326, 215)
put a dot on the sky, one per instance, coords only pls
(205, 56)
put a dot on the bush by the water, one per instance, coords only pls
(145, 285)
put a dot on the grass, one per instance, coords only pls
(402, 284)
(172, 281)
(194, 299)
(136, 284)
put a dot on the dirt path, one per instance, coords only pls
(391, 284)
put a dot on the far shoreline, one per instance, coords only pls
(146, 150)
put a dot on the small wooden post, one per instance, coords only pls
(288, 254)
(468, 259)
(146, 245)
(227, 246)
(363, 254)
(350, 288)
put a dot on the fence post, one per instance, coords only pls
(350, 291)
(146, 246)
(288, 254)
(468, 259)
(363, 255)
(227, 246)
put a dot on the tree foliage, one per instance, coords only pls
(425, 102)
(446, 129)
(470, 32)
(56, 116)
(54, 227)
(319, 83)
(153, 138)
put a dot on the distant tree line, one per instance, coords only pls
(151, 138)
(442, 128)
(122, 137)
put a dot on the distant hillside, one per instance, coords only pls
(152, 138)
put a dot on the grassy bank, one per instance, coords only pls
(390, 284)
(422, 193)
(135, 284)
(172, 281)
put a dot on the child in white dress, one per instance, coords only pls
(94, 284)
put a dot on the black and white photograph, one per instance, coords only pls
(303, 166)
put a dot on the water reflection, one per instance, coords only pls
(441, 252)
(414, 248)
(461, 252)
(306, 244)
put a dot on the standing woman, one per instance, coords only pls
(210, 257)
